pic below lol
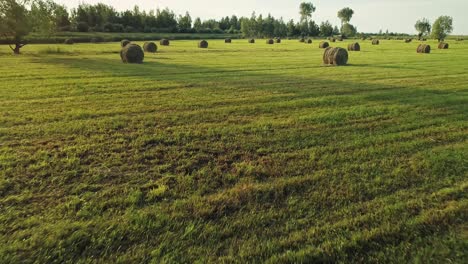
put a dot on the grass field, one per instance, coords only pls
(240, 153)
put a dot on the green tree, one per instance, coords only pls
(345, 15)
(423, 27)
(185, 23)
(306, 10)
(348, 30)
(197, 24)
(18, 18)
(326, 29)
(442, 27)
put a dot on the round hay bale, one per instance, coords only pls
(340, 38)
(324, 45)
(423, 48)
(203, 44)
(332, 39)
(251, 41)
(278, 40)
(375, 42)
(150, 47)
(124, 42)
(228, 40)
(354, 47)
(132, 53)
(164, 42)
(335, 56)
(270, 42)
(408, 40)
(69, 42)
(443, 45)
(302, 40)
(309, 41)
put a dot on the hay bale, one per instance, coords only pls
(443, 45)
(408, 40)
(251, 41)
(340, 38)
(228, 40)
(203, 44)
(331, 39)
(270, 42)
(132, 53)
(278, 40)
(150, 47)
(335, 56)
(124, 42)
(324, 45)
(302, 40)
(164, 42)
(354, 47)
(69, 42)
(423, 48)
(375, 42)
(309, 41)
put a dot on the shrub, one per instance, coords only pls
(124, 42)
(150, 47)
(335, 56)
(82, 27)
(354, 47)
(203, 44)
(69, 42)
(132, 53)
(423, 48)
(324, 45)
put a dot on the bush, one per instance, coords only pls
(132, 53)
(82, 27)
(69, 41)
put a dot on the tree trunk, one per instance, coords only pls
(17, 48)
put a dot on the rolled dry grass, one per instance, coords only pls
(228, 40)
(132, 53)
(164, 42)
(309, 41)
(203, 44)
(408, 40)
(443, 45)
(332, 39)
(302, 40)
(278, 40)
(270, 42)
(324, 45)
(375, 42)
(150, 47)
(124, 42)
(335, 56)
(423, 48)
(251, 41)
(354, 47)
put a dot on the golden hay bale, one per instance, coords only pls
(354, 47)
(375, 42)
(124, 42)
(302, 40)
(408, 40)
(332, 39)
(423, 48)
(164, 42)
(324, 45)
(132, 53)
(228, 40)
(203, 44)
(443, 45)
(309, 41)
(278, 40)
(270, 41)
(150, 47)
(335, 56)
(251, 41)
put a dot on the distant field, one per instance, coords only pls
(240, 153)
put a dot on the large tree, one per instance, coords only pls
(305, 10)
(345, 15)
(442, 27)
(18, 18)
(423, 26)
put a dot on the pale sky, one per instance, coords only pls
(369, 15)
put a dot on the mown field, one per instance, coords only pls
(239, 153)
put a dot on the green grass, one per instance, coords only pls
(237, 153)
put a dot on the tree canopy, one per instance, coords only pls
(423, 26)
(345, 15)
(442, 27)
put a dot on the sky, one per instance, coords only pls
(369, 15)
